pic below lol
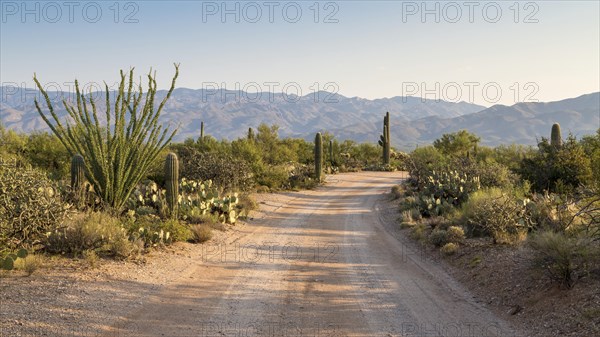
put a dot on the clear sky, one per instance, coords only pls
(541, 50)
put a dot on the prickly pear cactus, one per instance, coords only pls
(172, 182)
(318, 156)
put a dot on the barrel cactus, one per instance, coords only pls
(318, 156)
(555, 136)
(172, 182)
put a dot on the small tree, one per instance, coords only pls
(120, 153)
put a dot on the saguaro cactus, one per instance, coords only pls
(331, 152)
(250, 134)
(201, 131)
(318, 156)
(172, 182)
(77, 172)
(555, 136)
(384, 140)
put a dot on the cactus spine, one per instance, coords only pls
(318, 156)
(172, 182)
(77, 172)
(555, 136)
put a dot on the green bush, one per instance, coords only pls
(449, 248)
(30, 207)
(153, 231)
(225, 171)
(94, 231)
(564, 258)
(496, 213)
(438, 237)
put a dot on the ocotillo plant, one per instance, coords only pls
(119, 152)
(555, 136)
(318, 156)
(172, 182)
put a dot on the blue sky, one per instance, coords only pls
(549, 51)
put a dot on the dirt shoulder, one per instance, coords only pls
(503, 278)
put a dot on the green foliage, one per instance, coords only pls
(97, 231)
(120, 153)
(449, 248)
(8, 262)
(564, 258)
(30, 206)
(172, 183)
(151, 231)
(226, 170)
(318, 156)
(461, 144)
(495, 213)
(558, 169)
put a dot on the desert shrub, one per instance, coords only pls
(397, 191)
(449, 248)
(419, 232)
(29, 264)
(30, 206)
(496, 213)
(564, 258)
(422, 162)
(558, 169)
(201, 233)
(153, 231)
(224, 170)
(438, 237)
(46, 152)
(275, 178)
(97, 231)
(455, 234)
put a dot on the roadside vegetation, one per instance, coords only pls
(108, 182)
(545, 198)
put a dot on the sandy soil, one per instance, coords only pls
(311, 263)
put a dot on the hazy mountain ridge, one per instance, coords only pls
(229, 114)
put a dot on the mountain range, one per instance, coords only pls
(229, 114)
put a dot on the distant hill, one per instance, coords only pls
(229, 114)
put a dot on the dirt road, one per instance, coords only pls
(319, 263)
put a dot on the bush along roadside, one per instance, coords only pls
(453, 197)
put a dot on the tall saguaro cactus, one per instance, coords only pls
(555, 136)
(384, 139)
(172, 182)
(318, 156)
(201, 131)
